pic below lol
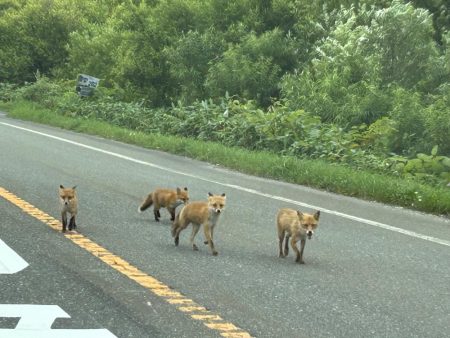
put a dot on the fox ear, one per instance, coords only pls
(317, 215)
(61, 186)
(185, 189)
(209, 194)
(223, 195)
(74, 187)
(178, 190)
(300, 214)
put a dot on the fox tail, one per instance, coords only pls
(146, 204)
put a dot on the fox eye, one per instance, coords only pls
(215, 205)
(221, 205)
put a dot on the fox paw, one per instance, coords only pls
(195, 247)
(215, 253)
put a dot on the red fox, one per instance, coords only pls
(298, 226)
(69, 204)
(198, 213)
(165, 198)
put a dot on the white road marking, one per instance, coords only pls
(36, 321)
(10, 261)
(237, 187)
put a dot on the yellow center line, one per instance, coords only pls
(173, 297)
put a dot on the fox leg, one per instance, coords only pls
(208, 230)
(172, 213)
(195, 229)
(64, 221)
(178, 226)
(211, 230)
(294, 240)
(175, 225)
(72, 224)
(280, 243)
(286, 245)
(156, 212)
(212, 235)
(302, 247)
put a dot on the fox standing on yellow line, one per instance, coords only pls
(165, 198)
(69, 204)
(198, 213)
(297, 226)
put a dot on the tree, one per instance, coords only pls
(403, 38)
(189, 60)
(342, 82)
(34, 35)
(367, 51)
(238, 74)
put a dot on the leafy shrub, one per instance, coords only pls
(437, 120)
(239, 74)
(408, 114)
(380, 135)
(189, 61)
(429, 168)
(43, 91)
(7, 91)
(241, 123)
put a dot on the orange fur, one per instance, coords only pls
(69, 204)
(297, 226)
(165, 198)
(204, 213)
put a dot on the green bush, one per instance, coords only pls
(408, 114)
(241, 123)
(7, 91)
(431, 168)
(43, 91)
(437, 120)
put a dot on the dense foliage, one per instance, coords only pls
(364, 84)
(235, 123)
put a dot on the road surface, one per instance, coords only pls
(371, 270)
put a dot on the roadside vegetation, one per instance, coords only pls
(350, 98)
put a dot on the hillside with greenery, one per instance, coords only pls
(361, 85)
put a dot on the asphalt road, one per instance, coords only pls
(371, 270)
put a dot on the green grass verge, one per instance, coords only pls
(316, 174)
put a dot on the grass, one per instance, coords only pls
(313, 173)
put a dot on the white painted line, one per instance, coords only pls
(251, 191)
(36, 321)
(10, 261)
